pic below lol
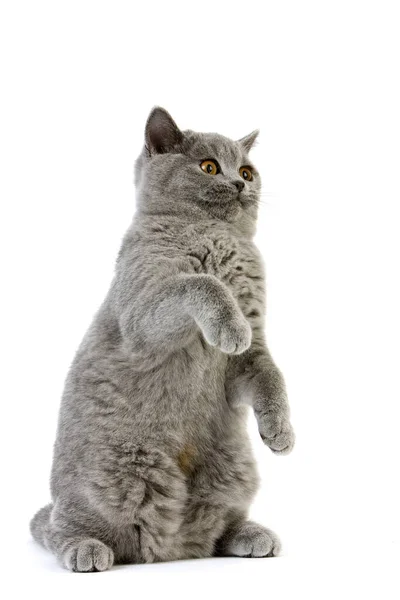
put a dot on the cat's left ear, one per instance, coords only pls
(248, 141)
(162, 133)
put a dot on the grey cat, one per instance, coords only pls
(152, 460)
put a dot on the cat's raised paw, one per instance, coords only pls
(88, 556)
(276, 432)
(232, 334)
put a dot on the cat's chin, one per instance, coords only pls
(229, 211)
(223, 206)
(235, 211)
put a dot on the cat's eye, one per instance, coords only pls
(210, 166)
(246, 173)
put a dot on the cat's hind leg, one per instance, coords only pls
(248, 540)
(76, 551)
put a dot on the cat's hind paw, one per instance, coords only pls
(88, 556)
(251, 540)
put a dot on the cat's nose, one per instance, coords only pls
(239, 185)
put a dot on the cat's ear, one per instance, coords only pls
(248, 141)
(162, 133)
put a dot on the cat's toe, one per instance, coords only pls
(88, 556)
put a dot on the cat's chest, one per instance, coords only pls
(234, 262)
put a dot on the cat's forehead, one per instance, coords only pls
(213, 145)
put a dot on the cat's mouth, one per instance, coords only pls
(221, 194)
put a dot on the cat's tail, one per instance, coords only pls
(39, 523)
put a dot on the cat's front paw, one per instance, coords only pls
(276, 432)
(230, 333)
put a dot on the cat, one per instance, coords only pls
(152, 460)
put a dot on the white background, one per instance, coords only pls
(321, 81)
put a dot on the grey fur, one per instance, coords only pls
(152, 461)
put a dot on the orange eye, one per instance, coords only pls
(210, 167)
(246, 173)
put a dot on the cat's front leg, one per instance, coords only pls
(254, 378)
(216, 313)
(271, 410)
(165, 313)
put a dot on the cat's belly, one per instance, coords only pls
(166, 502)
(187, 516)
(219, 475)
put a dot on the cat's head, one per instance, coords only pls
(196, 174)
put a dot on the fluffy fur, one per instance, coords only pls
(152, 461)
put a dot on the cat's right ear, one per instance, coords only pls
(162, 133)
